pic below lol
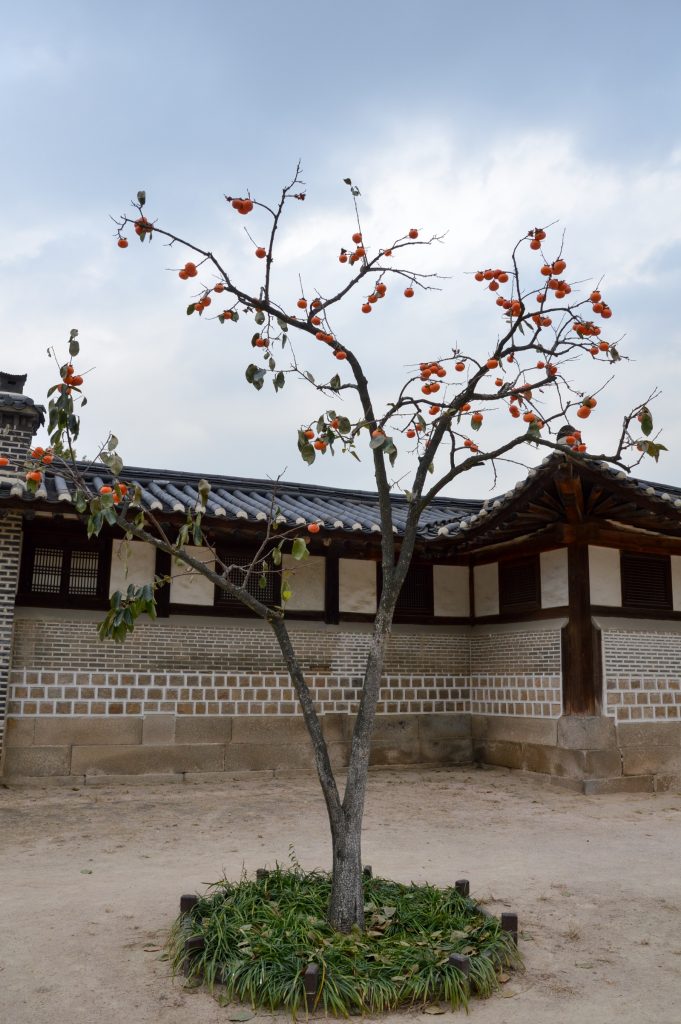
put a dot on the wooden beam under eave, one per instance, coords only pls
(550, 537)
(569, 487)
(630, 540)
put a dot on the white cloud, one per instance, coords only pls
(179, 384)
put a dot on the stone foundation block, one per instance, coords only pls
(38, 761)
(336, 728)
(263, 756)
(649, 734)
(88, 732)
(269, 729)
(512, 729)
(440, 727)
(668, 783)
(505, 755)
(203, 729)
(142, 759)
(396, 729)
(623, 784)
(19, 732)
(445, 751)
(652, 760)
(585, 732)
(158, 729)
(389, 754)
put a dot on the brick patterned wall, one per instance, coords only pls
(61, 668)
(10, 554)
(642, 675)
(516, 673)
(170, 645)
(48, 693)
(16, 434)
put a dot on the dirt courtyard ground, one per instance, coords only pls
(92, 876)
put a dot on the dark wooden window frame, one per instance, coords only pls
(406, 614)
(67, 542)
(635, 568)
(519, 584)
(222, 607)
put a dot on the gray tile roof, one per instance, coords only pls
(239, 499)
(14, 402)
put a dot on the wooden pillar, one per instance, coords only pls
(580, 640)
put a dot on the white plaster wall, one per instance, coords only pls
(605, 579)
(553, 568)
(132, 561)
(307, 581)
(357, 586)
(188, 585)
(486, 589)
(676, 582)
(450, 590)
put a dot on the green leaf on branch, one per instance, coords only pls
(74, 346)
(276, 556)
(344, 425)
(390, 450)
(283, 326)
(190, 308)
(646, 421)
(113, 461)
(141, 197)
(279, 381)
(378, 441)
(335, 383)
(255, 375)
(112, 442)
(652, 448)
(307, 452)
(299, 549)
(259, 317)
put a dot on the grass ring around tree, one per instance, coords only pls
(256, 938)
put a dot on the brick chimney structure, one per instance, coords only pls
(20, 417)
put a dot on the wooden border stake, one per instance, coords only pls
(463, 887)
(509, 923)
(311, 984)
(188, 902)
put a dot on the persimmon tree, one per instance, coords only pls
(550, 328)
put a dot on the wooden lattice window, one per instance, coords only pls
(239, 561)
(69, 570)
(416, 596)
(519, 585)
(646, 581)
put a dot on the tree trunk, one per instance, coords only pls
(346, 907)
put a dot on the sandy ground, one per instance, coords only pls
(92, 876)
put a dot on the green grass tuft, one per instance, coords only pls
(259, 936)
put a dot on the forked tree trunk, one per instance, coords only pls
(346, 907)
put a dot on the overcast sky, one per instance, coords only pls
(479, 120)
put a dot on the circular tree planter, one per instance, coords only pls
(266, 940)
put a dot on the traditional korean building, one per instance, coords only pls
(540, 630)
